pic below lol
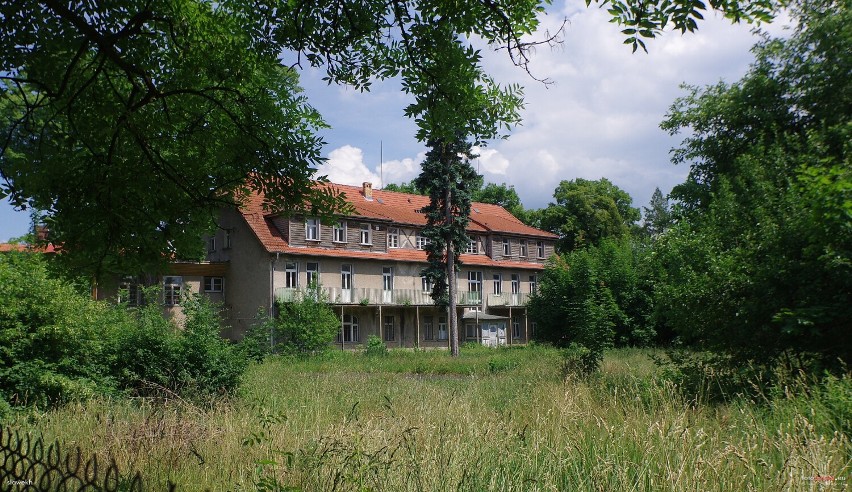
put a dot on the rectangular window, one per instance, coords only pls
(442, 328)
(171, 290)
(211, 244)
(366, 234)
(312, 230)
(291, 276)
(390, 329)
(532, 329)
(470, 330)
(339, 232)
(516, 328)
(393, 237)
(427, 284)
(130, 291)
(346, 277)
(229, 242)
(522, 246)
(428, 328)
(540, 248)
(350, 328)
(313, 273)
(474, 281)
(516, 283)
(533, 284)
(214, 284)
(387, 278)
(472, 247)
(423, 241)
(507, 247)
(498, 284)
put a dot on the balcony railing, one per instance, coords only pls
(397, 297)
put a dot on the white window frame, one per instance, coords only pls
(339, 232)
(533, 284)
(523, 248)
(516, 283)
(472, 246)
(312, 229)
(211, 244)
(312, 272)
(474, 281)
(497, 280)
(366, 235)
(540, 249)
(346, 276)
(423, 241)
(172, 287)
(291, 275)
(210, 284)
(387, 278)
(507, 247)
(393, 237)
(426, 284)
(229, 239)
(516, 328)
(442, 329)
(349, 325)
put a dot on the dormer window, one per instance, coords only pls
(423, 241)
(472, 247)
(522, 247)
(540, 247)
(393, 237)
(312, 230)
(339, 232)
(366, 234)
(507, 247)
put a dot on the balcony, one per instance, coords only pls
(519, 299)
(375, 297)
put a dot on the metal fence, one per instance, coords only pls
(26, 464)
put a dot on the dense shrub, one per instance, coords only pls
(57, 344)
(54, 341)
(193, 361)
(375, 347)
(306, 325)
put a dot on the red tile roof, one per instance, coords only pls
(392, 207)
(7, 247)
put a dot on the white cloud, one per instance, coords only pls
(345, 165)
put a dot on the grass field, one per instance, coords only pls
(491, 420)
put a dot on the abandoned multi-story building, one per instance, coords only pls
(369, 266)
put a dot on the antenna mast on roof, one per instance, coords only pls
(381, 165)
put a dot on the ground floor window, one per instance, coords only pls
(532, 329)
(516, 328)
(350, 329)
(214, 284)
(171, 290)
(428, 329)
(390, 329)
(442, 328)
(130, 291)
(470, 330)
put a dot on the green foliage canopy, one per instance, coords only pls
(585, 212)
(130, 123)
(759, 266)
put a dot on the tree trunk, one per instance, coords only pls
(451, 279)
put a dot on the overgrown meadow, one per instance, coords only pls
(493, 419)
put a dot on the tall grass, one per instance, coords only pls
(491, 420)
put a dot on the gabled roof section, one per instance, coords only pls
(390, 207)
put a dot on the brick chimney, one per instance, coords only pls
(42, 233)
(367, 189)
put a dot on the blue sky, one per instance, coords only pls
(599, 118)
